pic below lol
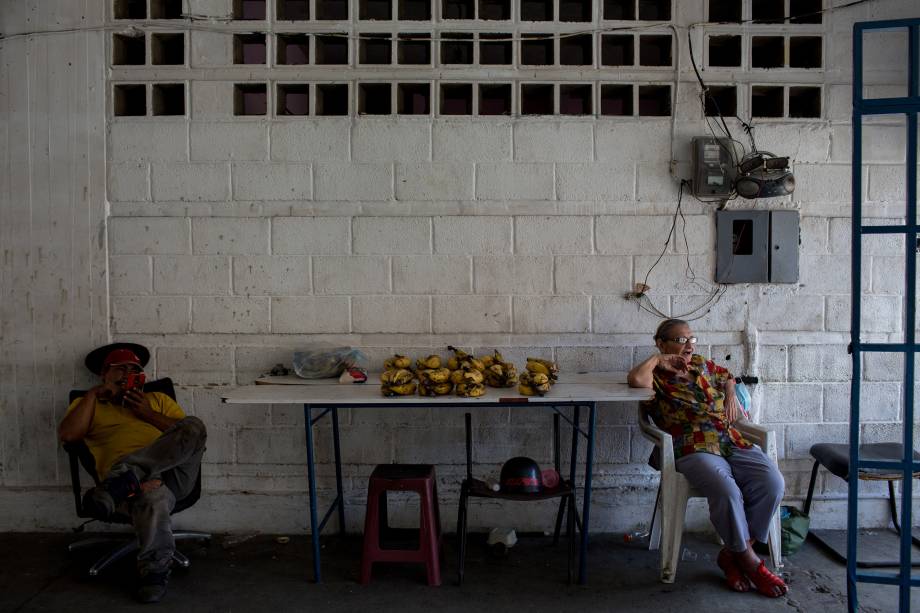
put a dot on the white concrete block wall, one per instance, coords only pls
(228, 242)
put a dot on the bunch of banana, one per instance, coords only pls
(397, 382)
(397, 362)
(543, 367)
(434, 381)
(430, 363)
(469, 382)
(462, 358)
(499, 373)
(534, 384)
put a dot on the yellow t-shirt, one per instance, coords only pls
(116, 431)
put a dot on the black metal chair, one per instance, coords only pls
(479, 489)
(835, 457)
(80, 455)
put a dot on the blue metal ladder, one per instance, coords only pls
(908, 105)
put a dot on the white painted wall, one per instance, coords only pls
(224, 243)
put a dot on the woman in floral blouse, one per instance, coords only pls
(695, 403)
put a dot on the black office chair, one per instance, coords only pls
(471, 487)
(835, 457)
(127, 543)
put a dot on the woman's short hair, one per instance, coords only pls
(665, 327)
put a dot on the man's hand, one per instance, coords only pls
(106, 391)
(671, 363)
(137, 401)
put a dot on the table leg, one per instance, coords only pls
(311, 477)
(573, 460)
(338, 470)
(589, 462)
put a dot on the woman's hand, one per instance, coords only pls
(671, 363)
(733, 408)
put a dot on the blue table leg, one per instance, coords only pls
(338, 470)
(311, 477)
(589, 462)
(573, 461)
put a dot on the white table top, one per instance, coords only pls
(575, 387)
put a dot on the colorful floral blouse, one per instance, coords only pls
(693, 411)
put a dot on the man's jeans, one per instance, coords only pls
(174, 457)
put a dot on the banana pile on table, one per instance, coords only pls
(397, 378)
(466, 373)
(433, 379)
(499, 373)
(539, 377)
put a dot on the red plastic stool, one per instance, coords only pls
(417, 478)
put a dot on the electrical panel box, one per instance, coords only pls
(757, 246)
(714, 168)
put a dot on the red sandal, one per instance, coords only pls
(733, 575)
(765, 582)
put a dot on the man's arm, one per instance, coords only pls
(138, 402)
(76, 423)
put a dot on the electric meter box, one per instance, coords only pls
(757, 246)
(714, 168)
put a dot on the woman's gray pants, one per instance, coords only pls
(743, 490)
(174, 457)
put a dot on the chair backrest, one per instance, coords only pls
(80, 455)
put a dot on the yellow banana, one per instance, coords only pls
(439, 375)
(470, 390)
(526, 390)
(537, 367)
(487, 360)
(430, 362)
(406, 389)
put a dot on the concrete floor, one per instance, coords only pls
(261, 574)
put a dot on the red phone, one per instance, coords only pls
(135, 381)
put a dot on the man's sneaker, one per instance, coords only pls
(98, 504)
(152, 587)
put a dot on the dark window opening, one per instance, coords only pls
(805, 52)
(616, 99)
(537, 99)
(655, 10)
(331, 49)
(725, 11)
(805, 11)
(537, 51)
(413, 98)
(768, 11)
(169, 99)
(458, 9)
(130, 9)
(130, 100)
(536, 10)
(375, 49)
(725, 51)
(495, 99)
(654, 100)
(495, 10)
(332, 10)
(722, 100)
(495, 52)
(409, 51)
(128, 50)
(743, 237)
(249, 9)
(414, 10)
(456, 48)
(768, 52)
(293, 99)
(250, 99)
(575, 10)
(575, 99)
(165, 9)
(805, 102)
(576, 50)
(293, 49)
(332, 99)
(617, 50)
(167, 49)
(380, 10)
(766, 101)
(293, 10)
(457, 99)
(374, 99)
(655, 50)
(624, 10)
(249, 49)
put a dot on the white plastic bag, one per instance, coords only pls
(322, 360)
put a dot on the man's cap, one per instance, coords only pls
(116, 353)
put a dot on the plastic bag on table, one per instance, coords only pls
(322, 360)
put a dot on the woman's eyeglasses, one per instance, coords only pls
(683, 340)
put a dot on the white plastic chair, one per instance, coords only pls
(674, 492)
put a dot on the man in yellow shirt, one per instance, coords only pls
(147, 451)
